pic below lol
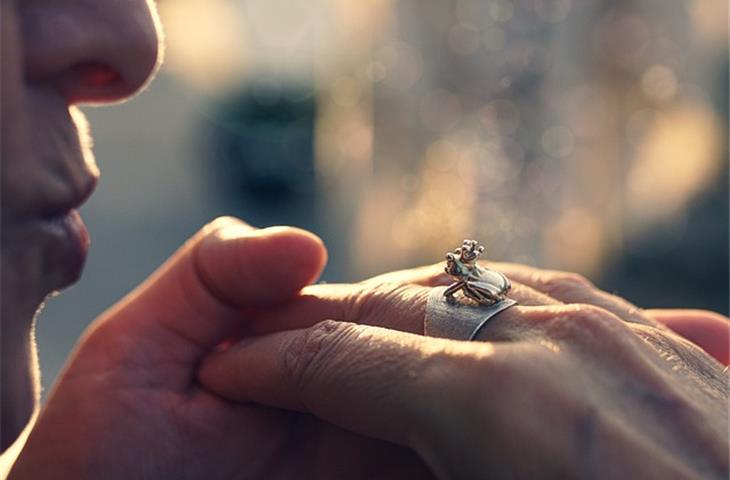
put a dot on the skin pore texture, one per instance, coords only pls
(316, 381)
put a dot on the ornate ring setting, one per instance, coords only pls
(483, 295)
(482, 285)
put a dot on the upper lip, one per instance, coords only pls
(63, 173)
(80, 194)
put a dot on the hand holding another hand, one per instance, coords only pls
(573, 383)
(128, 407)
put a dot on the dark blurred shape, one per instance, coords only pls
(262, 144)
(693, 273)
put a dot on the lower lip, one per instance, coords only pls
(68, 245)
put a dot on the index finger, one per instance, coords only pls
(370, 380)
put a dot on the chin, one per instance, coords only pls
(30, 272)
(18, 360)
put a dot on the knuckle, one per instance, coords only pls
(358, 304)
(581, 321)
(214, 227)
(561, 284)
(596, 318)
(309, 354)
(386, 304)
(223, 221)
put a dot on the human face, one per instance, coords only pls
(56, 54)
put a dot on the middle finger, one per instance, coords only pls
(397, 306)
(573, 288)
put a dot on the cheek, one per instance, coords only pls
(11, 73)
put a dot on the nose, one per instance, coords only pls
(91, 51)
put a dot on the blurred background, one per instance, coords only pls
(586, 135)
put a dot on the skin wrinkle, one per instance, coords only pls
(689, 354)
(407, 302)
(559, 285)
(305, 355)
(366, 370)
(370, 359)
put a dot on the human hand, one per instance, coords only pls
(573, 383)
(127, 405)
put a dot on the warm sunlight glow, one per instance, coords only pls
(205, 42)
(678, 157)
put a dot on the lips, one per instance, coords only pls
(71, 240)
(59, 234)
(48, 175)
(62, 233)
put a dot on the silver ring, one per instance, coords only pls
(459, 320)
(482, 295)
(478, 284)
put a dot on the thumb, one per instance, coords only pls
(201, 293)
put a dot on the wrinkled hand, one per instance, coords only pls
(573, 383)
(127, 405)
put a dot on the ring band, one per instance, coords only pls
(491, 312)
(459, 320)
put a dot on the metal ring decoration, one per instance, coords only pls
(482, 296)
(482, 285)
